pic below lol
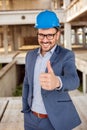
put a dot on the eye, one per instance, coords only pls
(41, 35)
(50, 35)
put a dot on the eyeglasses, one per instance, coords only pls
(48, 36)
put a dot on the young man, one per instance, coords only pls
(50, 73)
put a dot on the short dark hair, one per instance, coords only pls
(57, 28)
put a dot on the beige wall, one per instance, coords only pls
(28, 30)
(24, 35)
(30, 4)
(8, 80)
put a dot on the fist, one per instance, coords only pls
(49, 81)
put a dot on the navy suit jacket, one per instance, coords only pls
(59, 106)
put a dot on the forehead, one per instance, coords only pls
(49, 30)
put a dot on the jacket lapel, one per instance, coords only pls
(33, 65)
(54, 56)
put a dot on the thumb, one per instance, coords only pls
(50, 70)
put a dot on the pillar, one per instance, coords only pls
(55, 4)
(67, 36)
(20, 37)
(84, 82)
(12, 38)
(66, 3)
(5, 39)
(3, 4)
(84, 36)
(76, 36)
(0, 39)
(15, 38)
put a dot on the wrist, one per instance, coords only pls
(57, 82)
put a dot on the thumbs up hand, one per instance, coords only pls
(49, 81)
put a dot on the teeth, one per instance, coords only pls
(46, 44)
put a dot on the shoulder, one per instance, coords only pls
(30, 54)
(65, 51)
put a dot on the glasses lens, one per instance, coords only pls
(40, 36)
(48, 36)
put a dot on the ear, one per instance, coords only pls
(58, 35)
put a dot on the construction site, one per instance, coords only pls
(18, 36)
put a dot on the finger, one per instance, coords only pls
(50, 70)
(44, 75)
(45, 85)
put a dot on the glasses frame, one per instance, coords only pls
(48, 36)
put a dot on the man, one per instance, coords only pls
(50, 73)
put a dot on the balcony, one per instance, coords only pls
(77, 10)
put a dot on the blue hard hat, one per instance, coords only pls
(47, 19)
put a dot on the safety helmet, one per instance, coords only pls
(47, 19)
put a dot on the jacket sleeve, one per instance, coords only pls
(70, 79)
(25, 91)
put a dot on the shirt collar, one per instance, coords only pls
(51, 51)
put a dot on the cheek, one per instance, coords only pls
(54, 42)
(58, 35)
(39, 41)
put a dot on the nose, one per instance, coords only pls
(45, 39)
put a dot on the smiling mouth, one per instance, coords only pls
(46, 44)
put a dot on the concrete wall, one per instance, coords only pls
(23, 35)
(8, 80)
(29, 4)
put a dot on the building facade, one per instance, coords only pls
(18, 35)
(17, 18)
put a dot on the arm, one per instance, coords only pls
(70, 79)
(25, 92)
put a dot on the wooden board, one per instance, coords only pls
(3, 104)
